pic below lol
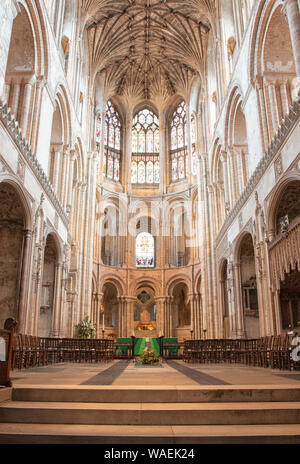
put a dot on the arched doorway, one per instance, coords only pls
(109, 320)
(49, 288)
(145, 312)
(12, 222)
(181, 316)
(249, 287)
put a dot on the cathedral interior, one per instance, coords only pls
(150, 167)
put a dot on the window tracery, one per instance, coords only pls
(145, 165)
(179, 143)
(112, 143)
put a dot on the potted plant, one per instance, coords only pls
(86, 329)
(149, 357)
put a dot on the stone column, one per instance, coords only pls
(274, 106)
(69, 193)
(25, 108)
(56, 153)
(16, 90)
(57, 300)
(262, 106)
(162, 159)
(240, 325)
(36, 112)
(291, 9)
(64, 174)
(284, 97)
(130, 301)
(160, 314)
(24, 281)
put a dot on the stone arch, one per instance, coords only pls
(236, 139)
(27, 67)
(272, 68)
(219, 184)
(284, 256)
(181, 306)
(178, 228)
(277, 195)
(61, 136)
(14, 256)
(48, 325)
(246, 287)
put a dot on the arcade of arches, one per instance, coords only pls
(150, 167)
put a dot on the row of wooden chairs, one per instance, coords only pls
(29, 351)
(272, 351)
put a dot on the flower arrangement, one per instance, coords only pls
(149, 357)
(86, 329)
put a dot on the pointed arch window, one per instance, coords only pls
(112, 143)
(179, 143)
(145, 149)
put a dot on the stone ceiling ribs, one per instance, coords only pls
(147, 48)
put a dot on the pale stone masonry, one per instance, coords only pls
(209, 182)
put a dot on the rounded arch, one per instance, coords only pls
(112, 279)
(281, 187)
(176, 280)
(235, 100)
(39, 30)
(263, 18)
(25, 199)
(151, 282)
(62, 102)
(52, 235)
(239, 243)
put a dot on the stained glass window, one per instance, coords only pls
(145, 250)
(157, 172)
(112, 143)
(98, 129)
(145, 148)
(141, 172)
(150, 172)
(179, 143)
(134, 176)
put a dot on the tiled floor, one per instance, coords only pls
(173, 373)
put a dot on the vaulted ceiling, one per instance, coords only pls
(147, 49)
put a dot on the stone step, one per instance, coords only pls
(154, 414)
(157, 435)
(156, 394)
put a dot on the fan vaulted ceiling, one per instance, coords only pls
(147, 49)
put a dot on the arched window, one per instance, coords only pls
(112, 144)
(145, 250)
(179, 143)
(145, 167)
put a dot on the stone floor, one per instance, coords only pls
(172, 373)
